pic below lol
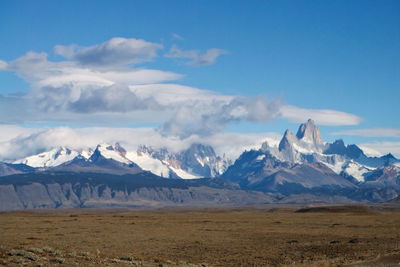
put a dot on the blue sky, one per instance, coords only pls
(336, 55)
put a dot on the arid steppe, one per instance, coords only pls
(273, 236)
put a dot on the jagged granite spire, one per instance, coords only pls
(287, 140)
(308, 132)
(286, 146)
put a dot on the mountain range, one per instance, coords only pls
(299, 168)
(304, 163)
(195, 162)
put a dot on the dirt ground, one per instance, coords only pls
(202, 237)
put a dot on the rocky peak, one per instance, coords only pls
(161, 153)
(309, 133)
(202, 160)
(265, 147)
(354, 152)
(62, 151)
(143, 149)
(337, 147)
(96, 155)
(389, 159)
(119, 148)
(200, 150)
(106, 151)
(287, 140)
(391, 169)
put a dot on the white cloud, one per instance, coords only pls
(173, 94)
(113, 98)
(233, 144)
(36, 69)
(177, 37)
(116, 51)
(196, 58)
(14, 109)
(60, 88)
(371, 132)
(208, 118)
(326, 117)
(28, 141)
(3, 65)
(9, 131)
(98, 86)
(370, 152)
(383, 147)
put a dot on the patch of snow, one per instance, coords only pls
(337, 167)
(183, 174)
(307, 139)
(86, 153)
(272, 142)
(109, 152)
(302, 149)
(50, 158)
(260, 157)
(148, 163)
(356, 170)
(201, 161)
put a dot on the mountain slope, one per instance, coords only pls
(259, 170)
(9, 169)
(302, 178)
(52, 158)
(303, 163)
(387, 176)
(89, 190)
(98, 163)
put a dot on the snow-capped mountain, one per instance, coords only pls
(52, 158)
(195, 162)
(307, 147)
(104, 159)
(261, 170)
(297, 167)
(296, 164)
(384, 176)
(198, 160)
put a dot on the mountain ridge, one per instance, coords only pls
(299, 168)
(304, 163)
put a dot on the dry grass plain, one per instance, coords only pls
(208, 237)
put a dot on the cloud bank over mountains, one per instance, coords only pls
(17, 142)
(106, 85)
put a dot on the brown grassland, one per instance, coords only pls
(333, 236)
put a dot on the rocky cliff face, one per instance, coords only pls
(202, 160)
(198, 160)
(85, 190)
(309, 133)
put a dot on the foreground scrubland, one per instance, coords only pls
(328, 236)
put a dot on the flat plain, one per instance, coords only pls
(263, 236)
